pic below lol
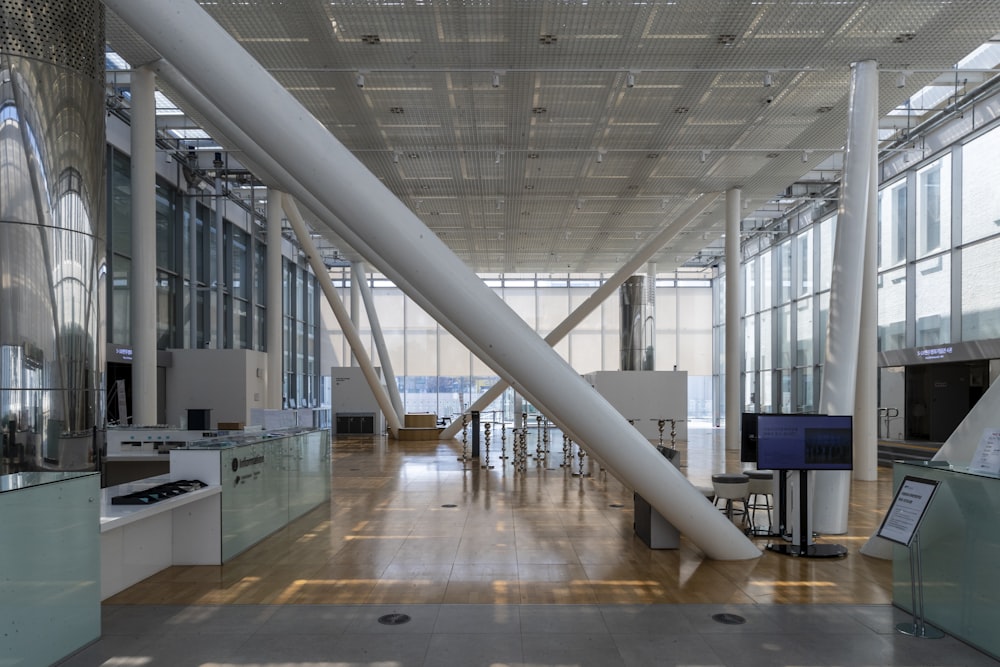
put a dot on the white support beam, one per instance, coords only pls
(358, 276)
(343, 317)
(234, 82)
(840, 372)
(591, 303)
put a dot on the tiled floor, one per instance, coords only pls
(493, 568)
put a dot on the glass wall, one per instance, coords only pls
(938, 259)
(436, 373)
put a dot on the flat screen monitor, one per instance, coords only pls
(805, 442)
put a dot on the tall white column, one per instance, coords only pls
(734, 330)
(358, 276)
(355, 307)
(840, 372)
(343, 318)
(590, 304)
(866, 398)
(220, 269)
(142, 282)
(275, 307)
(192, 251)
(239, 86)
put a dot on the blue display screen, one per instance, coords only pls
(805, 442)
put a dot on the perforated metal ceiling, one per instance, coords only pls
(555, 136)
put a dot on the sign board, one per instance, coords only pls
(987, 457)
(907, 510)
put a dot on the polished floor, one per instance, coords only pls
(494, 567)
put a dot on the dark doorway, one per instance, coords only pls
(939, 396)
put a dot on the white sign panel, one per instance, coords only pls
(907, 509)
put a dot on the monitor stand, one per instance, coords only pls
(803, 548)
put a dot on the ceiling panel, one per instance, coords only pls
(559, 134)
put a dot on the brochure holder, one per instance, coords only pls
(902, 526)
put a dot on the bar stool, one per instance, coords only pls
(760, 499)
(732, 489)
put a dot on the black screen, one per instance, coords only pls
(805, 442)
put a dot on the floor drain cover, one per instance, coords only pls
(393, 619)
(449, 505)
(729, 619)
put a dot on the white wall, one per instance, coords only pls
(646, 397)
(229, 382)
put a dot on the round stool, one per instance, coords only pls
(732, 489)
(759, 499)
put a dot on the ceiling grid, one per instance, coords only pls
(557, 135)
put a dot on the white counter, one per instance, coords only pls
(137, 541)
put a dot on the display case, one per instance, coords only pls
(959, 548)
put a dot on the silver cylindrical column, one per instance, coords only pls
(632, 300)
(52, 261)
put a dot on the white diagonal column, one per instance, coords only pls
(359, 277)
(142, 278)
(343, 317)
(840, 372)
(591, 303)
(734, 332)
(240, 87)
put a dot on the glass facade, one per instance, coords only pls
(243, 290)
(938, 258)
(436, 373)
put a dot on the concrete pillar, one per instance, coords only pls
(274, 302)
(142, 279)
(840, 373)
(734, 330)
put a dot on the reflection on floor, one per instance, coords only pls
(499, 568)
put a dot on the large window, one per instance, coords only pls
(980, 296)
(892, 309)
(892, 225)
(933, 300)
(980, 194)
(934, 207)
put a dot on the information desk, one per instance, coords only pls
(255, 485)
(50, 564)
(960, 549)
(267, 480)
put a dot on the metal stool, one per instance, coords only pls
(732, 489)
(759, 499)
